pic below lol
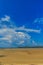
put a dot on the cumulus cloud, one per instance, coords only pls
(14, 37)
(10, 36)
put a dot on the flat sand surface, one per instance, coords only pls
(21, 56)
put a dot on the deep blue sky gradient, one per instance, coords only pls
(22, 11)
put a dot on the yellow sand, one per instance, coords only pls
(21, 56)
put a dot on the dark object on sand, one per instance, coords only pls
(2, 55)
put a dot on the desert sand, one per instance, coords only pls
(21, 56)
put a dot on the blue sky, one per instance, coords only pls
(27, 14)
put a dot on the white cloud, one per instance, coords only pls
(6, 18)
(22, 28)
(6, 38)
(39, 20)
(6, 22)
(21, 42)
(3, 30)
(10, 36)
(28, 30)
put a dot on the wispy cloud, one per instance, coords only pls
(28, 30)
(34, 43)
(6, 18)
(6, 22)
(38, 20)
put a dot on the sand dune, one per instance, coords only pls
(21, 56)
